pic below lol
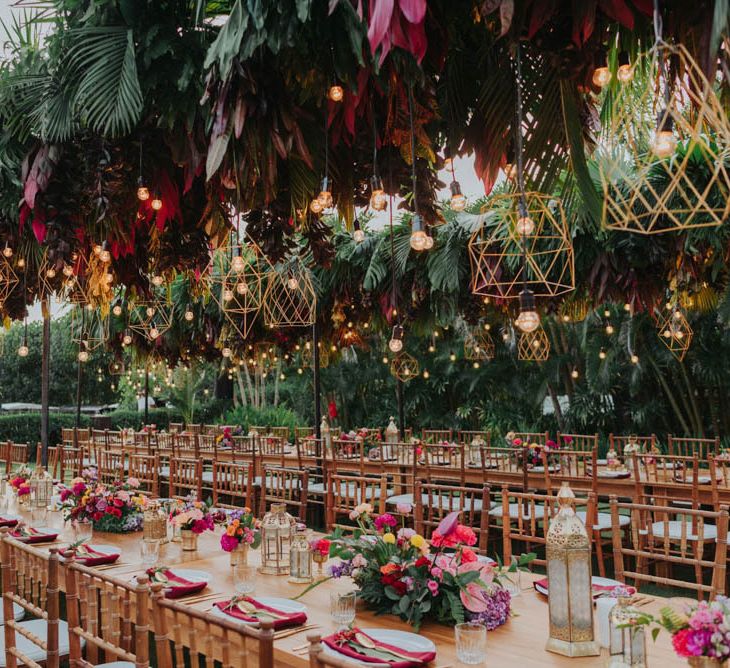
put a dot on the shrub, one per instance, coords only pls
(275, 416)
(26, 427)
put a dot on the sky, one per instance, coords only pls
(471, 186)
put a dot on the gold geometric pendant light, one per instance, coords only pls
(675, 332)
(290, 299)
(478, 344)
(89, 328)
(506, 238)
(8, 280)
(533, 346)
(664, 153)
(404, 367)
(150, 318)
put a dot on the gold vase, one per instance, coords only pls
(705, 662)
(189, 540)
(239, 556)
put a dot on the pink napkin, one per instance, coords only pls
(287, 618)
(418, 658)
(597, 589)
(30, 535)
(92, 557)
(7, 522)
(177, 587)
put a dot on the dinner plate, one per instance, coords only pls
(595, 581)
(282, 604)
(107, 554)
(404, 640)
(190, 575)
(541, 469)
(614, 474)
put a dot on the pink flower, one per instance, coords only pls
(384, 520)
(568, 439)
(433, 587)
(405, 533)
(437, 573)
(468, 556)
(448, 525)
(228, 543)
(403, 508)
(473, 598)
(517, 442)
(550, 444)
(133, 482)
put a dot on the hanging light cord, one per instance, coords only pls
(658, 39)
(326, 141)
(375, 140)
(413, 148)
(522, 205)
(394, 294)
(140, 157)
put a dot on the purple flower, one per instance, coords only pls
(497, 612)
(341, 570)
(404, 508)
(384, 520)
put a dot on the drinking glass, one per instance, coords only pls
(83, 530)
(512, 581)
(150, 550)
(342, 608)
(471, 643)
(244, 579)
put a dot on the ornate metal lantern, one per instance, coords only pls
(41, 488)
(569, 573)
(300, 557)
(277, 532)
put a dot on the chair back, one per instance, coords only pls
(585, 442)
(30, 579)
(232, 485)
(527, 437)
(182, 631)
(283, 433)
(644, 443)
(270, 450)
(195, 428)
(71, 462)
(176, 427)
(668, 479)
(146, 468)
(346, 492)
(467, 437)
(437, 435)
(185, 445)
(112, 466)
(110, 616)
(576, 467)
(15, 454)
(302, 432)
(282, 485)
(185, 477)
(345, 456)
(673, 536)
(688, 447)
(444, 462)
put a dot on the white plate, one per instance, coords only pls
(283, 604)
(190, 575)
(409, 642)
(614, 474)
(541, 469)
(595, 581)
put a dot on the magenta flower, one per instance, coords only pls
(433, 587)
(448, 525)
(384, 520)
(228, 543)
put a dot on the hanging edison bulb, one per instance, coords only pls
(143, 192)
(336, 93)
(358, 234)
(117, 309)
(378, 198)
(292, 282)
(83, 353)
(625, 72)
(458, 200)
(664, 143)
(525, 226)
(325, 195)
(418, 236)
(428, 244)
(237, 262)
(528, 319)
(127, 338)
(189, 315)
(154, 331)
(156, 203)
(157, 280)
(396, 340)
(8, 250)
(601, 75)
(23, 349)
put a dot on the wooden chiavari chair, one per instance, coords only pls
(645, 443)
(233, 485)
(525, 519)
(281, 432)
(467, 437)
(146, 469)
(176, 427)
(437, 435)
(669, 479)
(71, 462)
(687, 447)
(142, 443)
(54, 459)
(270, 451)
(310, 458)
(30, 580)
(194, 428)
(99, 438)
(210, 429)
(185, 445)
(346, 492)
(504, 462)
(207, 640)
(345, 456)
(83, 437)
(318, 658)
(399, 464)
(667, 536)
(443, 463)
(114, 440)
(208, 446)
(585, 442)
(434, 502)
(302, 432)
(112, 466)
(185, 477)
(282, 485)
(68, 436)
(257, 429)
(109, 615)
(538, 438)
(15, 455)
(720, 480)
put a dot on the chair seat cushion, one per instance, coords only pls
(709, 531)
(116, 664)
(18, 613)
(444, 502)
(346, 489)
(39, 628)
(514, 511)
(604, 520)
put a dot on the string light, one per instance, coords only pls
(237, 262)
(396, 340)
(189, 315)
(357, 233)
(336, 93)
(452, 356)
(143, 192)
(634, 359)
(574, 374)
(292, 283)
(426, 374)
(601, 75)
(528, 319)
(665, 142)
(458, 200)
(525, 226)
(104, 255)
(602, 354)
(127, 338)
(609, 329)
(8, 250)
(378, 198)
(117, 309)
(418, 236)
(156, 203)
(315, 206)
(625, 72)
(154, 332)
(157, 280)
(325, 195)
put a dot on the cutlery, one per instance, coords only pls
(198, 599)
(252, 610)
(367, 643)
(290, 632)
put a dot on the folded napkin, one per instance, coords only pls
(596, 588)
(91, 557)
(340, 643)
(281, 620)
(176, 587)
(8, 522)
(31, 535)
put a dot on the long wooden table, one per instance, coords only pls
(520, 641)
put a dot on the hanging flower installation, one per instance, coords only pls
(664, 158)
(290, 300)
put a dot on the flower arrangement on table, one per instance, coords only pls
(225, 439)
(192, 515)
(20, 483)
(116, 508)
(532, 452)
(149, 429)
(398, 572)
(703, 630)
(241, 528)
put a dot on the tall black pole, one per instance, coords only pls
(146, 394)
(79, 380)
(401, 408)
(315, 381)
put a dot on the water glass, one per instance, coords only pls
(150, 550)
(244, 579)
(471, 643)
(512, 581)
(342, 608)
(83, 530)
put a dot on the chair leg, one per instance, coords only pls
(599, 553)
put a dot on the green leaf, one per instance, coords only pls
(216, 153)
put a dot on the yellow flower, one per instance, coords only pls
(389, 538)
(417, 541)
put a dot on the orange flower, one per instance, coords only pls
(230, 530)
(389, 568)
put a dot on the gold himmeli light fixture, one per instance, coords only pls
(533, 346)
(290, 299)
(404, 367)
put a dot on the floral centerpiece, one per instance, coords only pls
(192, 518)
(149, 429)
(226, 438)
(241, 532)
(117, 508)
(400, 573)
(532, 452)
(20, 483)
(700, 634)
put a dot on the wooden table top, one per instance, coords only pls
(520, 641)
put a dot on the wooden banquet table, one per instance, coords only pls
(520, 641)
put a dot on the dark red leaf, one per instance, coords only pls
(618, 10)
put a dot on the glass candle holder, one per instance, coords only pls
(471, 643)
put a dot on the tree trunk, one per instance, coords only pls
(277, 374)
(556, 407)
(45, 378)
